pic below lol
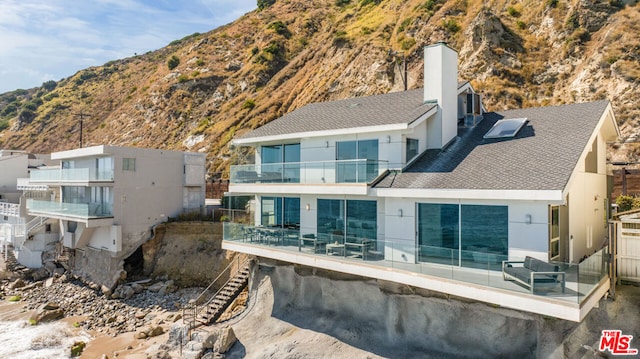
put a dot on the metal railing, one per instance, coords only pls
(194, 307)
(9, 209)
(471, 266)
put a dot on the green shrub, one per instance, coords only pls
(339, 37)
(280, 28)
(263, 4)
(404, 24)
(521, 24)
(624, 203)
(4, 124)
(552, 3)
(249, 104)
(451, 25)
(50, 96)
(173, 62)
(513, 11)
(367, 2)
(366, 31)
(49, 85)
(15, 298)
(183, 78)
(406, 44)
(10, 110)
(199, 62)
(342, 2)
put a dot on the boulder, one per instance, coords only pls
(46, 315)
(220, 340)
(226, 340)
(156, 287)
(19, 283)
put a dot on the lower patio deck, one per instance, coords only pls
(584, 285)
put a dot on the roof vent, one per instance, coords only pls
(506, 128)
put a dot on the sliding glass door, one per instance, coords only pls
(357, 161)
(281, 163)
(463, 235)
(352, 220)
(281, 212)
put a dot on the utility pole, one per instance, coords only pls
(82, 115)
(404, 65)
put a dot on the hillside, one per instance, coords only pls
(269, 62)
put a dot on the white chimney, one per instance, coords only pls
(441, 88)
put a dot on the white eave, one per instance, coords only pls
(337, 132)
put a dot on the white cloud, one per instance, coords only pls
(44, 40)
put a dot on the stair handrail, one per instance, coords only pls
(225, 283)
(37, 221)
(193, 304)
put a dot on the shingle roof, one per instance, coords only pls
(387, 109)
(541, 156)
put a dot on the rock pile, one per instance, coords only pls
(129, 308)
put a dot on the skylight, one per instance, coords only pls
(506, 128)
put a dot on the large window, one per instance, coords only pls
(347, 219)
(358, 161)
(128, 164)
(412, 148)
(466, 235)
(280, 212)
(281, 162)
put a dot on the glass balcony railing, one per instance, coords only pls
(322, 172)
(82, 210)
(70, 175)
(573, 283)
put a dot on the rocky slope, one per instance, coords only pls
(197, 93)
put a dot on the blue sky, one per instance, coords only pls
(43, 40)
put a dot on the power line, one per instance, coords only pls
(82, 115)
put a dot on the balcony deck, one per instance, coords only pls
(73, 211)
(585, 283)
(70, 175)
(319, 172)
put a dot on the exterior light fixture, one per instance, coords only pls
(307, 207)
(388, 139)
(400, 212)
(527, 218)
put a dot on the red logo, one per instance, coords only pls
(616, 343)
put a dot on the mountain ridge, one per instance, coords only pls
(271, 61)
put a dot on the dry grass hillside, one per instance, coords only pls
(518, 53)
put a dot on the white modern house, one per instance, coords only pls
(425, 188)
(107, 198)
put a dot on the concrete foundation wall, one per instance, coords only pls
(393, 320)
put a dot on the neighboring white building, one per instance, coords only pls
(29, 237)
(107, 199)
(426, 189)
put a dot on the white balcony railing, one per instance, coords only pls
(71, 175)
(320, 172)
(82, 210)
(9, 209)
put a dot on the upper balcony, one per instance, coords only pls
(82, 212)
(71, 175)
(338, 172)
